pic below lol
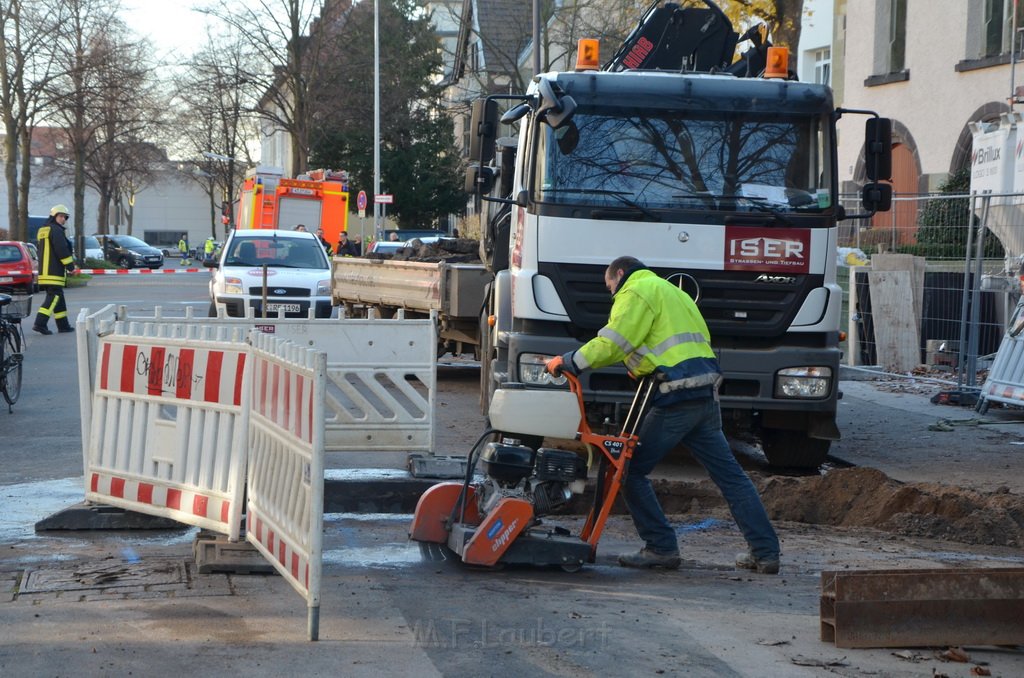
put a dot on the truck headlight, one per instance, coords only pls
(323, 288)
(531, 370)
(803, 382)
(232, 285)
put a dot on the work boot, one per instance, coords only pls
(648, 558)
(65, 330)
(748, 561)
(42, 329)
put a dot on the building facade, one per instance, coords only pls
(934, 67)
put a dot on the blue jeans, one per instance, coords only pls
(698, 425)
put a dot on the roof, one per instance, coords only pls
(504, 29)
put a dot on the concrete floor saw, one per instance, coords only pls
(498, 519)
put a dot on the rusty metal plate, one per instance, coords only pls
(105, 575)
(923, 607)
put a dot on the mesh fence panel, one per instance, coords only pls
(963, 297)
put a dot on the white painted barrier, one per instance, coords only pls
(169, 425)
(382, 374)
(1005, 381)
(285, 485)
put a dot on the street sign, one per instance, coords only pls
(384, 199)
(361, 201)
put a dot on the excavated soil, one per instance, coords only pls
(866, 497)
(450, 250)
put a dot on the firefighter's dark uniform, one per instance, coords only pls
(55, 262)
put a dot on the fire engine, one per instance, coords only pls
(317, 199)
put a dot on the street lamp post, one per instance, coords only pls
(376, 119)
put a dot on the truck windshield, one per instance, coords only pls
(664, 159)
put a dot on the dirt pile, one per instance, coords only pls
(865, 497)
(450, 250)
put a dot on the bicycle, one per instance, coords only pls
(11, 341)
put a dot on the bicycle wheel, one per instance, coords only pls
(10, 358)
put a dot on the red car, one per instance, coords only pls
(16, 270)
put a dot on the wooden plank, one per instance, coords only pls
(892, 311)
(912, 608)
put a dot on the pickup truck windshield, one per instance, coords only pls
(663, 159)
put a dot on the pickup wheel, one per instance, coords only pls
(793, 449)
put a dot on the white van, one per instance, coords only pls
(298, 274)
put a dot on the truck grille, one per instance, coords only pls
(732, 303)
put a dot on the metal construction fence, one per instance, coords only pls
(932, 282)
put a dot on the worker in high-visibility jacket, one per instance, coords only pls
(55, 262)
(208, 249)
(656, 329)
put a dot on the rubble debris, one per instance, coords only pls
(954, 654)
(450, 250)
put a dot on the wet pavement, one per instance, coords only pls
(92, 603)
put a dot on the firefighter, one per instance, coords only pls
(56, 261)
(656, 329)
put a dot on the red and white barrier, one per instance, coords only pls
(285, 483)
(139, 271)
(169, 427)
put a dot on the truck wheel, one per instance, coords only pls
(793, 449)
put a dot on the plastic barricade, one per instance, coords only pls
(285, 483)
(1005, 381)
(382, 374)
(169, 425)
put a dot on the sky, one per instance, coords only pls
(172, 27)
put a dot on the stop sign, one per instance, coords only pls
(361, 200)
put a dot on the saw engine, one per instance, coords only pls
(546, 478)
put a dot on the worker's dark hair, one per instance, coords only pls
(625, 263)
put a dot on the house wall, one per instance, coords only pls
(932, 106)
(174, 203)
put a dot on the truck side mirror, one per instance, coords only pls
(876, 197)
(483, 130)
(479, 180)
(556, 110)
(878, 149)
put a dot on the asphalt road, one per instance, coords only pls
(42, 437)
(117, 604)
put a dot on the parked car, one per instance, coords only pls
(33, 252)
(17, 273)
(298, 274)
(127, 251)
(92, 248)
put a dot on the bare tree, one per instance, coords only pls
(119, 161)
(214, 120)
(285, 35)
(26, 67)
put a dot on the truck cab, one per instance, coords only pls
(724, 185)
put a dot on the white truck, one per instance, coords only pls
(724, 184)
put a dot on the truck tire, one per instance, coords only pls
(793, 449)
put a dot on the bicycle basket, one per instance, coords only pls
(19, 307)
